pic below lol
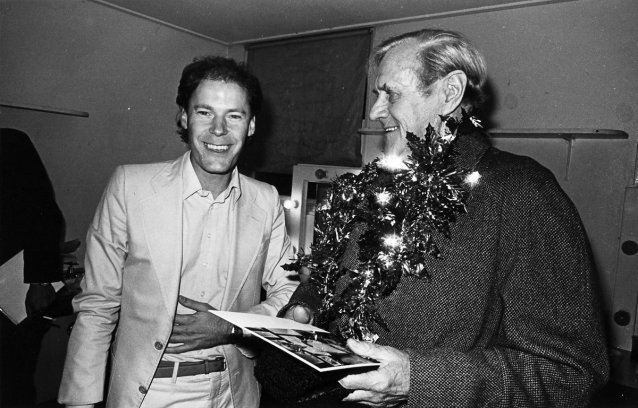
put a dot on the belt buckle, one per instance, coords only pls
(216, 359)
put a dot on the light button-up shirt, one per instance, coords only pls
(208, 227)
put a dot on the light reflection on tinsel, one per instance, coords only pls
(392, 241)
(392, 163)
(472, 178)
(383, 197)
(402, 210)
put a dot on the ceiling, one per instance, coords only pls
(242, 21)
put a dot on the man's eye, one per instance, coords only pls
(203, 113)
(235, 117)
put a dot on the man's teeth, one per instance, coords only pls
(217, 148)
(390, 129)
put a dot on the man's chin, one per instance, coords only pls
(219, 170)
(395, 145)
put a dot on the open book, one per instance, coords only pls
(311, 345)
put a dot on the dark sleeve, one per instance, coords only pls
(30, 217)
(550, 349)
(306, 295)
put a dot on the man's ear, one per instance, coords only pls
(183, 119)
(251, 127)
(453, 88)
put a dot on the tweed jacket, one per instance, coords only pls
(133, 264)
(511, 315)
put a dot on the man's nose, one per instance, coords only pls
(218, 127)
(379, 109)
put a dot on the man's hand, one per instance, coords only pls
(386, 386)
(300, 314)
(199, 330)
(38, 298)
(304, 274)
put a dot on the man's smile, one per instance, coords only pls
(216, 148)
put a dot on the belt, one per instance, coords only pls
(165, 368)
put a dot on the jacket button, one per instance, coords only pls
(143, 389)
(159, 345)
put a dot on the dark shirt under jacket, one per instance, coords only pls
(511, 316)
(30, 218)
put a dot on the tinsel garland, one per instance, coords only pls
(399, 210)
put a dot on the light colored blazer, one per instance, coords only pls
(133, 263)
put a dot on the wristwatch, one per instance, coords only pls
(236, 333)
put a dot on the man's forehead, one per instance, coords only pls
(404, 54)
(221, 90)
(219, 85)
(397, 68)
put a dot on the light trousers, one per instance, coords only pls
(197, 391)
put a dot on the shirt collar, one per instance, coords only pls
(191, 184)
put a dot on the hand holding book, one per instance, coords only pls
(310, 345)
(300, 314)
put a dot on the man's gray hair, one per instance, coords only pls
(440, 52)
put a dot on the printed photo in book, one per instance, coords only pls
(311, 345)
(321, 351)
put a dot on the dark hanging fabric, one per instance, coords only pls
(314, 96)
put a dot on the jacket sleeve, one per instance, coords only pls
(278, 283)
(550, 349)
(98, 304)
(306, 295)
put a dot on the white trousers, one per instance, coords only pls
(197, 391)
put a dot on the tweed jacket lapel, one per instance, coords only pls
(162, 218)
(246, 243)
(468, 149)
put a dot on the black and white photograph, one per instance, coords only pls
(322, 351)
(318, 203)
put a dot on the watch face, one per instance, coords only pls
(237, 333)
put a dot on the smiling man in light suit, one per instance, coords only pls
(171, 241)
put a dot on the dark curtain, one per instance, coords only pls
(314, 96)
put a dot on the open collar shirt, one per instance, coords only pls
(207, 227)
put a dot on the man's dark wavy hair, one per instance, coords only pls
(217, 69)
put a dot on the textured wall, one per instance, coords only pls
(121, 69)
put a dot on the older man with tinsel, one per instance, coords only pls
(464, 270)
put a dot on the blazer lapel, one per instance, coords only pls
(162, 215)
(246, 244)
